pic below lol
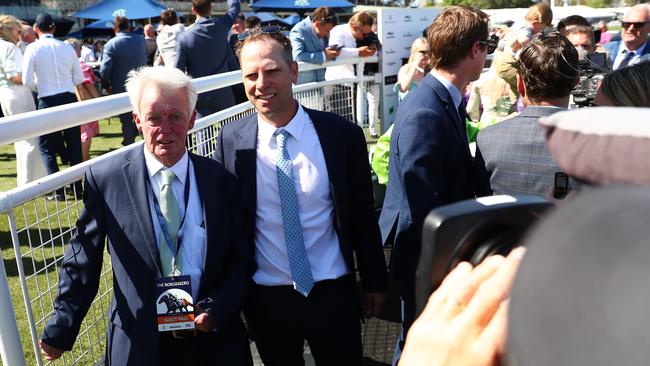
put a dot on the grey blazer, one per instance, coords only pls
(513, 157)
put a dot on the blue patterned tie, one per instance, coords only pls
(303, 280)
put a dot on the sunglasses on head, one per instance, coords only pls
(269, 29)
(490, 44)
(637, 25)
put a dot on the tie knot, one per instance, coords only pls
(167, 176)
(280, 136)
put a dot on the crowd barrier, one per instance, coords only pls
(39, 229)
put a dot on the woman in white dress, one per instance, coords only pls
(16, 98)
(167, 38)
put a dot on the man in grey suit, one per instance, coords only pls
(123, 53)
(309, 39)
(511, 156)
(203, 50)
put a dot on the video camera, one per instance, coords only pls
(592, 70)
(471, 230)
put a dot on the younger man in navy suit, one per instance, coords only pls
(430, 163)
(307, 201)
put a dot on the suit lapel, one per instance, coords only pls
(246, 169)
(135, 176)
(452, 112)
(210, 213)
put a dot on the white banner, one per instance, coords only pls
(397, 29)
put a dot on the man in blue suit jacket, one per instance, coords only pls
(306, 231)
(430, 163)
(123, 53)
(121, 204)
(309, 39)
(633, 46)
(203, 50)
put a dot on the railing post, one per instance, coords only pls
(11, 350)
(361, 95)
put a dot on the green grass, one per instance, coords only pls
(32, 223)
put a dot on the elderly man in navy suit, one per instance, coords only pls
(633, 46)
(203, 50)
(309, 39)
(168, 215)
(511, 156)
(123, 53)
(430, 163)
(307, 201)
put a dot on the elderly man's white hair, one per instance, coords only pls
(165, 78)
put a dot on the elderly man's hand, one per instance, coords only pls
(49, 352)
(204, 323)
(331, 53)
(365, 51)
(464, 322)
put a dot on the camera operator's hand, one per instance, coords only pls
(464, 322)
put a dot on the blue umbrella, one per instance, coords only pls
(300, 6)
(132, 9)
(292, 19)
(100, 24)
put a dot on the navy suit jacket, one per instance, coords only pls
(307, 47)
(612, 50)
(117, 207)
(344, 149)
(122, 53)
(512, 157)
(430, 165)
(203, 50)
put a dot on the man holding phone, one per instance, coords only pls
(309, 39)
(347, 35)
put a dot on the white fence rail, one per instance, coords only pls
(39, 229)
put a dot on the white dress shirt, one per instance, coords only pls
(623, 51)
(193, 233)
(314, 199)
(342, 35)
(51, 67)
(167, 42)
(87, 54)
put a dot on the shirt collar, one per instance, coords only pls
(456, 97)
(154, 165)
(294, 127)
(200, 19)
(637, 52)
(46, 35)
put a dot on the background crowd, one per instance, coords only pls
(449, 99)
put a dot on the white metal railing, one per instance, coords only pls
(40, 229)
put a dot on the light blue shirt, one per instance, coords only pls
(622, 52)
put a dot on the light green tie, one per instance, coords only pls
(169, 208)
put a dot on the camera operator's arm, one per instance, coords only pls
(464, 322)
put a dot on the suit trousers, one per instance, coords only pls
(281, 320)
(204, 349)
(129, 131)
(53, 142)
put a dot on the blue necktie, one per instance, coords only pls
(626, 60)
(303, 280)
